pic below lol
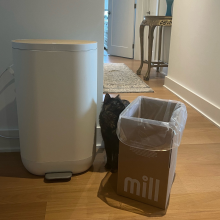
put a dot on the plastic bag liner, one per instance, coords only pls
(152, 124)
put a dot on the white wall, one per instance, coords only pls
(56, 19)
(194, 55)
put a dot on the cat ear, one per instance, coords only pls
(118, 97)
(107, 98)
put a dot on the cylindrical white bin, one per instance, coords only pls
(56, 91)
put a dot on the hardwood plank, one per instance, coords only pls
(23, 211)
(22, 194)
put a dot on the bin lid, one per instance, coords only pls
(54, 45)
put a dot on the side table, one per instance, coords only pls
(152, 22)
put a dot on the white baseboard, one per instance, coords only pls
(9, 132)
(164, 70)
(9, 149)
(9, 145)
(12, 145)
(208, 109)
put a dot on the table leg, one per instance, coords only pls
(142, 48)
(159, 50)
(150, 46)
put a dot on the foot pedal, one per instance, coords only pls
(58, 176)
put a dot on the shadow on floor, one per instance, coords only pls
(100, 161)
(12, 166)
(108, 194)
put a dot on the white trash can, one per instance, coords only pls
(56, 92)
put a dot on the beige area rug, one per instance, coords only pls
(118, 78)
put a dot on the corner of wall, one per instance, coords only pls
(206, 108)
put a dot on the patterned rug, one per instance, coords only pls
(118, 78)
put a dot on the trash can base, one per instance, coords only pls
(58, 176)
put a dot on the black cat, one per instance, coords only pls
(108, 119)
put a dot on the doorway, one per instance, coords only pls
(106, 26)
(122, 19)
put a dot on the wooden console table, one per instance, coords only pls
(152, 22)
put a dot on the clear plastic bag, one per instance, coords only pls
(152, 124)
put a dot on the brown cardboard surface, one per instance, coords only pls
(149, 131)
(173, 158)
(108, 194)
(145, 175)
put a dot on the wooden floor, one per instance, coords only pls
(195, 192)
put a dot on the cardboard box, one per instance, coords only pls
(149, 131)
(146, 176)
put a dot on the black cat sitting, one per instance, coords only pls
(108, 119)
